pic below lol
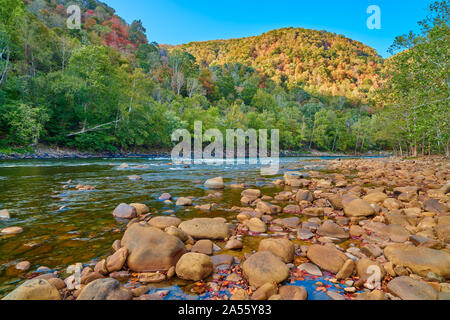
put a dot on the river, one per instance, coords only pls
(62, 225)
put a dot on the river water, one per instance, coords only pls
(63, 226)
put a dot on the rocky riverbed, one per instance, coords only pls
(365, 229)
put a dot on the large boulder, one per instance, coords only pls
(358, 208)
(105, 289)
(326, 257)
(35, 289)
(282, 248)
(216, 183)
(150, 249)
(205, 228)
(264, 267)
(407, 288)
(420, 260)
(194, 266)
(125, 211)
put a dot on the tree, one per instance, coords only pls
(192, 87)
(11, 11)
(136, 32)
(26, 122)
(418, 88)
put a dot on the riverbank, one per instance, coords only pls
(365, 229)
(44, 152)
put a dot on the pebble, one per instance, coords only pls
(11, 230)
(4, 214)
(350, 289)
(23, 266)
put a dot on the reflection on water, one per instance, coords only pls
(62, 226)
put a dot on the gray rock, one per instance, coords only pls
(408, 288)
(125, 211)
(105, 289)
(310, 268)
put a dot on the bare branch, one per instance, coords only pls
(93, 128)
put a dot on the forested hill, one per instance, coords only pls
(101, 25)
(104, 87)
(321, 61)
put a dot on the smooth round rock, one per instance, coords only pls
(264, 267)
(194, 266)
(151, 249)
(35, 289)
(282, 248)
(125, 211)
(327, 258)
(293, 293)
(105, 289)
(216, 183)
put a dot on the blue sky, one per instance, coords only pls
(183, 21)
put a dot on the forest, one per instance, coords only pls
(106, 87)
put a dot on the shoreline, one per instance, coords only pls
(47, 153)
(317, 230)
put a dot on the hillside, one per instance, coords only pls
(105, 88)
(321, 61)
(100, 24)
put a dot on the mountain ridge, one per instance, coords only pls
(322, 61)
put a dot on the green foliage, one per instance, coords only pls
(105, 88)
(418, 91)
(26, 123)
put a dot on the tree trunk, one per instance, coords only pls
(312, 135)
(356, 145)
(334, 142)
(5, 72)
(362, 145)
(423, 144)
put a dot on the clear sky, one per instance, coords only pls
(183, 21)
